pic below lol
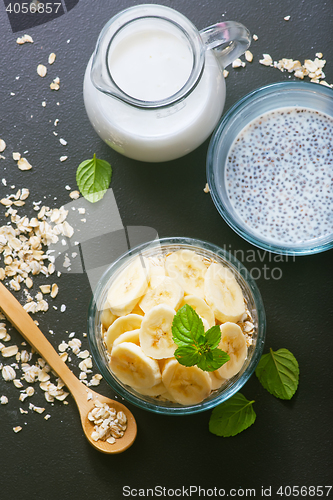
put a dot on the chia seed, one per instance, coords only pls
(279, 175)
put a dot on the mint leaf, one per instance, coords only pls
(278, 372)
(195, 346)
(232, 417)
(93, 178)
(213, 336)
(187, 355)
(187, 327)
(212, 360)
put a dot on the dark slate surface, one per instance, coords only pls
(291, 442)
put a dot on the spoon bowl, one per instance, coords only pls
(84, 397)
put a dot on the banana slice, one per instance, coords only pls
(233, 342)
(223, 294)
(126, 291)
(132, 367)
(107, 317)
(155, 332)
(201, 307)
(121, 325)
(154, 391)
(131, 336)
(186, 385)
(216, 381)
(157, 271)
(167, 292)
(188, 268)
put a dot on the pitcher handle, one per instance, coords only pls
(229, 40)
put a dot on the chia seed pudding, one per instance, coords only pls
(279, 175)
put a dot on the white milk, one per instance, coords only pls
(150, 65)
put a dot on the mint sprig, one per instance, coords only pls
(93, 178)
(195, 346)
(278, 373)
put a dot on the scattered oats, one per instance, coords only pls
(23, 164)
(3, 400)
(23, 411)
(16, 156)
(56, 121)
(63, 158)
(18, 384)
(299, 74)
(64, 356)
(255, 37)
(62, 396)
(225, 73)
(23, 396)
(75, 345)
(62, 141)
(24, 39)
(47, 416)
(44, 104)
(85, 365)
(54, 290)
(84, 354)
(6, 202)
(52, 58)
(38, 409)
(267, 60)
(74, 195)
(286, 18)
(4, 182)
(41, 70)
(96, 379)
(62, 308)
(206, 188)
(319, 55)
(24, 194)
(83, 376)
(45, 288)
(55, 85)
(89, 396)
(48, 397)
(63, 346)
(17, 429)
(2, 145)
(8, 373)
(25, 356)
(238, 63)
(248, 56)
(322, 82)
(8, 352)
(30, 391)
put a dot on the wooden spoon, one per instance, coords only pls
(81, 394)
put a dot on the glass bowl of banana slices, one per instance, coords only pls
(140, 300)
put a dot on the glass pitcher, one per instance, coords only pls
(154, 88)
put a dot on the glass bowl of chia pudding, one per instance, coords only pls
(270, 168)
(130, 321)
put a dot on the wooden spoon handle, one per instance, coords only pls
(23, 323)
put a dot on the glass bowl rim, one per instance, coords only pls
(214, 146)
(207, 404)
